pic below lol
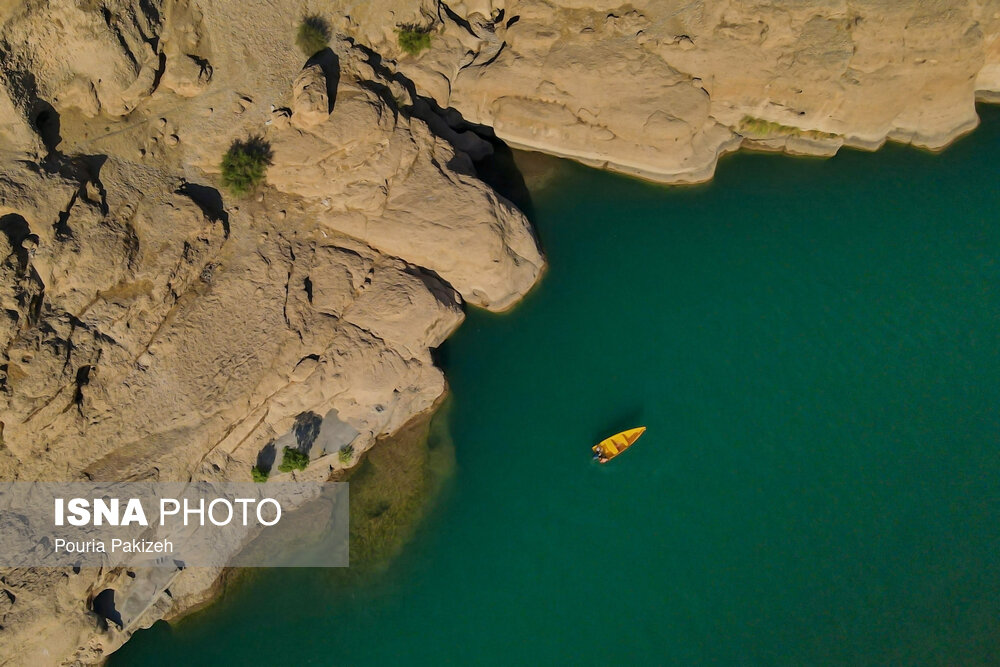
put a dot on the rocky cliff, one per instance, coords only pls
(154, 326)
(662, 88)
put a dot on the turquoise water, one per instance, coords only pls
(814, 346)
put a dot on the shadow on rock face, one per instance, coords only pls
(104, 606)
(501, 172)
(488, 158)
(306, 429)
(15, 228)
(46, 121)
(209, 200)
(330, 64)
(266, 457)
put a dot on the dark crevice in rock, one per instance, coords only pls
(45, 120)
(87, 170)
(491, 60)
(112, 22)
(150, 10)
(501, 173)
(205, 69)
(104, 606)
(61, 225)
(82, 380)
(455, 18)
(161, 66)
(448, 123)
(284, 308)
(16, 229)
(37, 300)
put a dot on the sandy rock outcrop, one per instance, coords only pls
(187, 69)
(406, 192)
(16, 134)
(662, 89)
(83, 58)
(310, 100)
(156, 328)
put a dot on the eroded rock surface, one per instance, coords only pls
(154, 327)
(662, 88)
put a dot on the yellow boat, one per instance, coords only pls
(609, 448)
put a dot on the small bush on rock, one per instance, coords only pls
(313, 35)
(346, 453)
(293, 459)
(245, 164)
(258, 475)
(414, 39)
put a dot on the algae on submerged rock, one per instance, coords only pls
(395, 485)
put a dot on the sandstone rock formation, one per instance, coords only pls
(310, 100)
(662, 88)
(156, 328)
(78, 57)
(405, 191)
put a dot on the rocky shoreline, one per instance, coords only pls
(661, 90)
(157, 327)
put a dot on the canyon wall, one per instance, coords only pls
(662, 88)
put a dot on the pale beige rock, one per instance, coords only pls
(406, 192)
(660, 89)
(179, 334)
(83, 59)
(310, 101)
(154, 329)
(187, 76)
(15, 132)
(402, 301)
(188, 70)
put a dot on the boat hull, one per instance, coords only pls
(609, 448)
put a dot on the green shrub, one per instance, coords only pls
(414, 39)
(758, 128)
(293, 459)
(259, 476)
(346, 453)
(313, 35)
(245, 164)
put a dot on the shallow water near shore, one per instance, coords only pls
(814, 346)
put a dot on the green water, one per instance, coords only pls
(814, 346)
